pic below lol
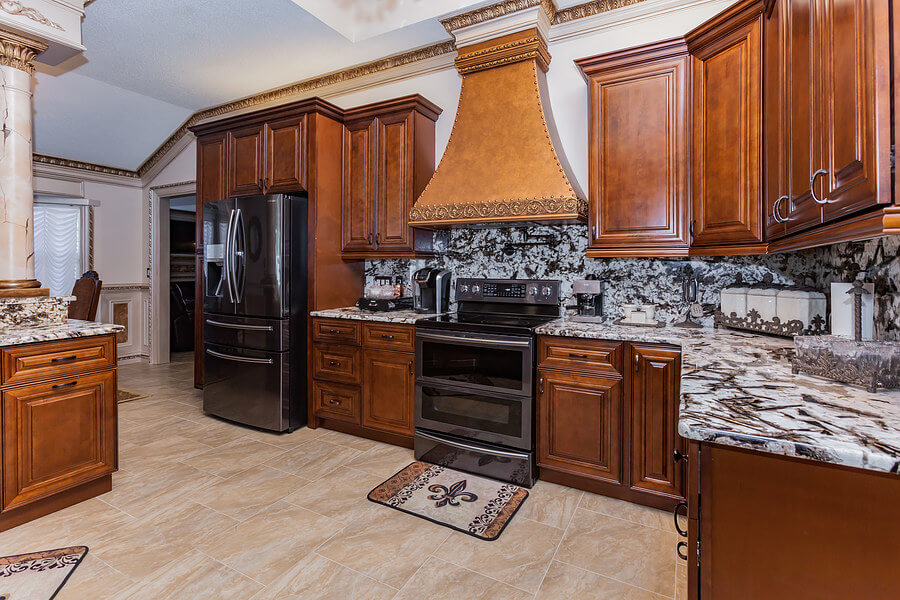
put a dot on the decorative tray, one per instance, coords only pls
(753, 322)
(655, 324)
(871, 364)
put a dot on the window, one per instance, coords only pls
(59, 245)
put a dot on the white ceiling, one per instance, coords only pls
(149, 65)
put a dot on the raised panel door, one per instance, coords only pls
(286, 155)
(358, 202)
(776, 133)
(394, 199)
(655, 385)
(388, 391)
(57, 436)
(246, 161)
(727, 138)
(847, 44)
(639, 158)
(579, 421)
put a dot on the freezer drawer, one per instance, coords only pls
(248, 386)
(247, 332)
(513, 466)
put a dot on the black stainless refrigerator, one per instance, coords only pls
(254, 304)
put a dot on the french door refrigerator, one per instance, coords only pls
(254, 310)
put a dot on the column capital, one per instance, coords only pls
(18, 51)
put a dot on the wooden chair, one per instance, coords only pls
(87, 297)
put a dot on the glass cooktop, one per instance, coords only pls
(487, 322)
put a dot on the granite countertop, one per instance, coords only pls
(351, 312)
(737, 389)
(28, 334)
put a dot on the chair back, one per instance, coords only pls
(87, 297)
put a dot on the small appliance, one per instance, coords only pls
(588, 296)
(431, 290)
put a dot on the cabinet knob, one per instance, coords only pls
(334, 363)
(334, 402)
(387, 337)
(812, 187)
(678, 456)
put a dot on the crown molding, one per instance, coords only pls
(64, 169)
(593, 17)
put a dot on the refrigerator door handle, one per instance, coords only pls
(243, 359)
(226, 263)
(238, 254)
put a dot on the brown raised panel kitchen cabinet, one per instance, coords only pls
(727, 133)
(267, 158)
(388, 161)
(638, 150)
(607, 417)
(388, 391)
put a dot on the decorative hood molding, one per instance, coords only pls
(501, 164)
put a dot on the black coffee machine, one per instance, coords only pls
(431, 290)
(589, 296)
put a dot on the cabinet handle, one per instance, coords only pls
(378, 238)
(682, 546)
(678, 528)
(582, 356)
(691, 228)
(259, 183)
(334, 363)
(63, 359)
(541, 386)
(678, 456)
(334, 402)
(637, 362)
(370, 239)
(387, 337)
(334, 331)
(410, 367)
(266, 182)
(776, 210)
(64, 385)
(812, 187)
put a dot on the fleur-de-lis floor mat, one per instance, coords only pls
(475, 505)
(38, 575)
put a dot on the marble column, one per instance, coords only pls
(16, 176)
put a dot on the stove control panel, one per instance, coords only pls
(517, 291)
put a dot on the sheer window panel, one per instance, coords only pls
(58, 246)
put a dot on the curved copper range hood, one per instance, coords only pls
(501, 165)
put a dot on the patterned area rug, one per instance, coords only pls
(39, 575)
(128, 395)
(475, 505)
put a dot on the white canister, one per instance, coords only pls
(734, 300)
(842, 316)
(649, 312)
(763, 301)
(638, 316)
(800, 305)
(627, 309)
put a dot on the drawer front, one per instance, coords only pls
(51, 360)
(574, 354)
(341, 331)
(389, 336)
(336, 363)
(336, 401)
(57, 436)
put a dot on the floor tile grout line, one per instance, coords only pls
(613, 578)
(562, 539)
(214, 559)
(596, 512)
(342, 565)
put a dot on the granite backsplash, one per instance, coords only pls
(479, 253)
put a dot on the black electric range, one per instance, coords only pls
(475, 378)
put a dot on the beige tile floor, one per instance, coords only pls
(201, 508)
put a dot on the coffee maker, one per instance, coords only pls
(431, 290)
(588, 296)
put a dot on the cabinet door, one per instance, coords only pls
(286, 155)
(776, 133)
(388, 391)
(579, 421)
(847, 43)
(639, 158)
(246, 161)
(655, 391)
(393, 199)
(798, 72)
(727, 137)
(57, 436)
(358, 205)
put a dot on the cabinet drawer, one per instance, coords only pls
(57, 436)
(574, 354)
(389, 337)
(336, 363)
(336, 401)
(50, 360)
(342, 331)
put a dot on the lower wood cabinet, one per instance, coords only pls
(610, 427)
(364, 379)
(59, 432)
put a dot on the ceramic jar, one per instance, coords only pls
(800, 305)
(763, 301)
(734, 300)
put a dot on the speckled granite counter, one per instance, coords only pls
(13, 336)
(395, 316)
(737, 389)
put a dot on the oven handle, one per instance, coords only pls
(462, 446)
(476, 341)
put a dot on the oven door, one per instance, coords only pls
(489, 364)
(503, 419)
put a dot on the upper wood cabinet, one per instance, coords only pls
(211, 151)
(727, 134)
(388, 160)
(638, 149)
(267, 158)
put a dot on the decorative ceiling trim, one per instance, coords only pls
(17, 9)
(580, 11)
(56, 161)
(18, 51)
(493, 11)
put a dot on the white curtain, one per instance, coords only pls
(57, 246)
